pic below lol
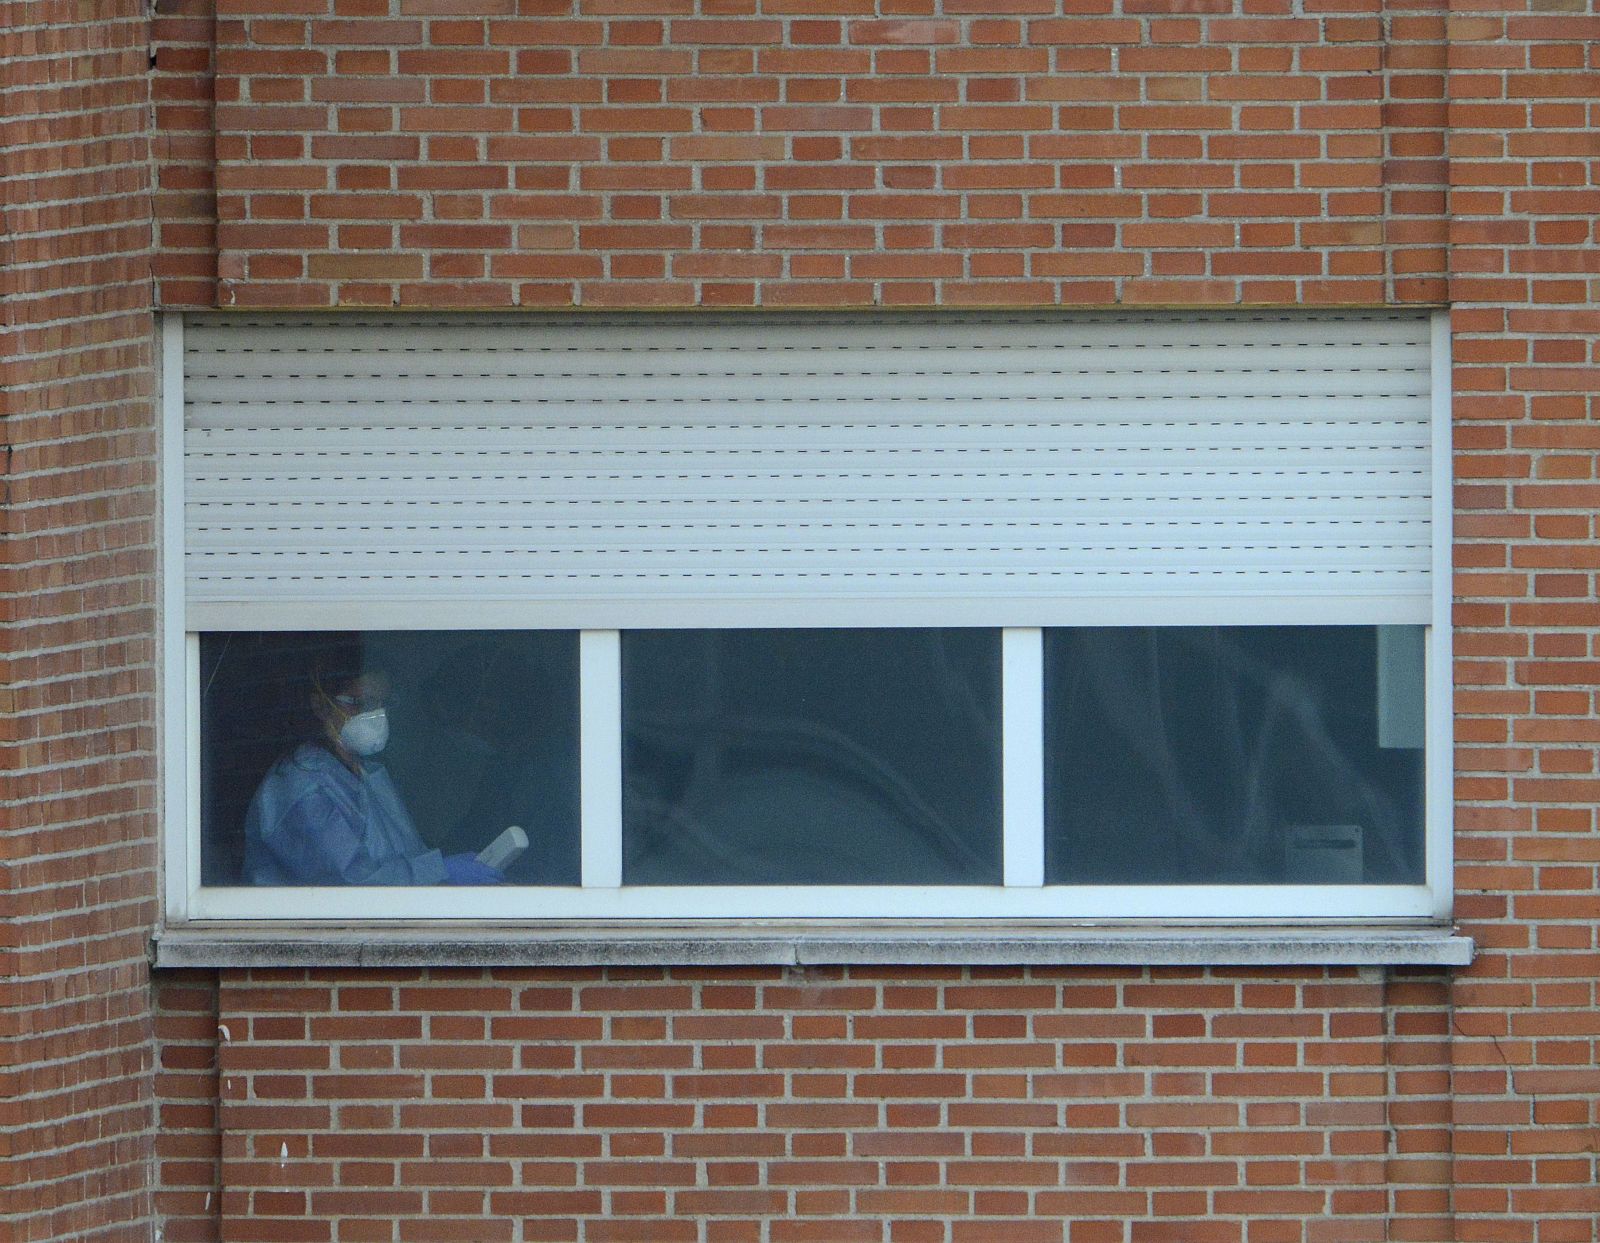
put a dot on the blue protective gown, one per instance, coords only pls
(314, 822)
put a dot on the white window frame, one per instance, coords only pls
(1021, 900)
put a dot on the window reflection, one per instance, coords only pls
(847, 757)
(1234, 755)
(387, 758)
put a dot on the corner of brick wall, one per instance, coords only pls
(188, 1155)
(184, 145)
(77, 746)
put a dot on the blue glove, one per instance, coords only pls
(466, 870)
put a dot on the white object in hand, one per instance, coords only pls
(505, 849)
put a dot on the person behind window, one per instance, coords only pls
(329, 813)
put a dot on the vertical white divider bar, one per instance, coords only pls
(600, 756)
(190, 759)
(1439, 802)
(179, 815)
(1022, 745)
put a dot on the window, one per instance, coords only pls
(811, 757)
(480, 734)
(1234, 755)
(1009, 618)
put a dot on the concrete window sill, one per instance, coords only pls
(268, 945)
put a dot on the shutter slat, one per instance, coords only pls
(784, 394)
(788, 334)
(1181, 414)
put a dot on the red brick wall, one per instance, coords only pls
(1525, 166)
(818, 1104)
(1199, 152)
(539, 153)
(77, 793)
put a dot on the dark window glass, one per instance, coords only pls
(481, 734)
(1234, 755)
(844, 757)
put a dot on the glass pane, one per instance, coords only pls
(387, 757)
(811, 757)
(1234, 755)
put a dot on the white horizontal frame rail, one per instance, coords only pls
(534, 904)
(667, 613)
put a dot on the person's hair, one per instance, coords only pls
(330, 676)
(331, 671)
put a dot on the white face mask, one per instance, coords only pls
(366, 733)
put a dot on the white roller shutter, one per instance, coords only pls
(606, 471)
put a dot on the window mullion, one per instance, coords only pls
(600, 752)
(1022, 662)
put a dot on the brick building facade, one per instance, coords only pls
(1076, 153)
